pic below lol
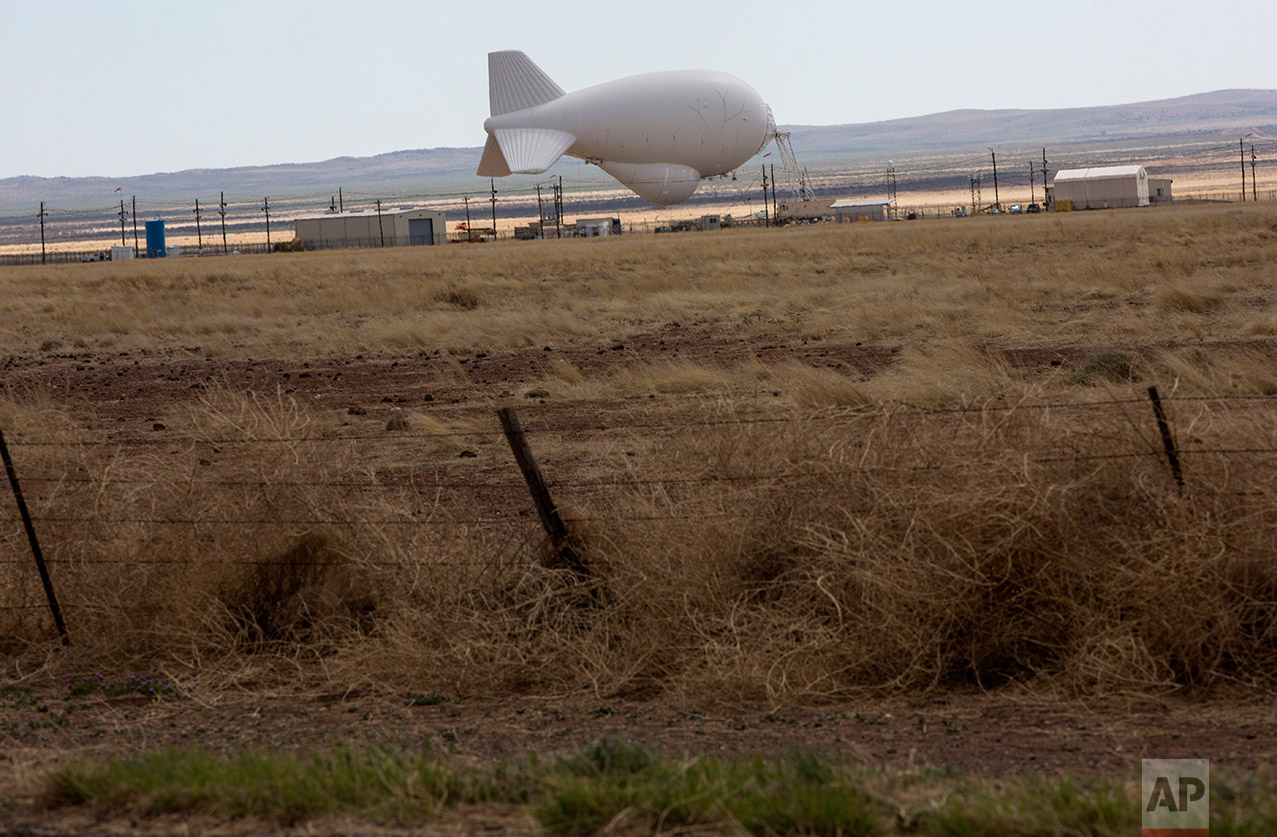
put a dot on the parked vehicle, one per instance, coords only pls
(1034, 208)
(1015, 209)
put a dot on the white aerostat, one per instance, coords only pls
(657, 133)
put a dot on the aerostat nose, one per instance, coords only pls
(771, 126)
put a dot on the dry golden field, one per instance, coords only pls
(801, 467)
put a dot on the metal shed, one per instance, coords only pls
(1100, 188)
(855, 210)
(388, 228)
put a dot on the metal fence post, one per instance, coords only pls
(35, 543)
(1168, 443)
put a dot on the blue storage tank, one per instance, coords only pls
(155, 248)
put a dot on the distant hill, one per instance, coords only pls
(1223, 112)
(441, 171)
(396, 171)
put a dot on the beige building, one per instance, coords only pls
(812, 210)
(388, 228)
(1100, 188)
(1159, 190)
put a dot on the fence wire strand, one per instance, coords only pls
(576, 489)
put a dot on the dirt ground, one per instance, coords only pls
(132, 389)
(995, 735)
(999, 734)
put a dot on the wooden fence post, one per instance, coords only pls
(1167, 441)
(550, 520)
(35, 543)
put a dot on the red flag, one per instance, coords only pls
(768, 154)
(117, 188)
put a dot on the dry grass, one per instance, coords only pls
(883, 549)
(1006, 280)
(779, 532)
(904, 552)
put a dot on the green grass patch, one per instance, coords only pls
(383, 785)
(615, 785)
(611, 782)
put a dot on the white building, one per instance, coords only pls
(388, 228)
(856, 210)
(1100, 188)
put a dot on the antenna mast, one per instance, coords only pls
(891, 186)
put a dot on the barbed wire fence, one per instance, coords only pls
(506, 524)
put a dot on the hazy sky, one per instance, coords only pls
(140, 86)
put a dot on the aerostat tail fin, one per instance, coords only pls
(532, 150)
(515, 83)
(493, 163)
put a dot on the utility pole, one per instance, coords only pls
(775, 205)
(222, 212)
(199, 233)
(997, 204)
(266, 209)
(1242, 148)
(123, 243)
(332, 204)
(1032, 199)
(1044, 192)
(341, 204)
(1254, 193)
(42, 214)
(469, 232)
(540, 214)
(766, 201)
(380, 228)
(135, 248)
(558, 207)
(493, 181)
